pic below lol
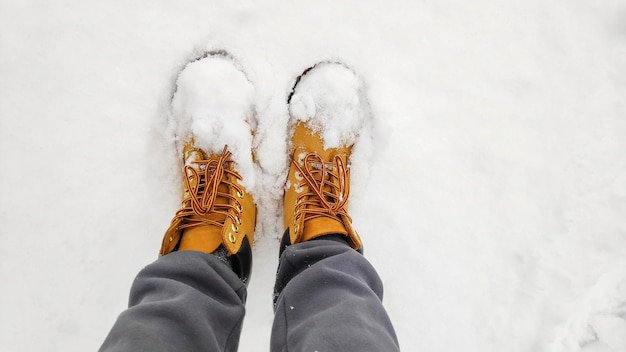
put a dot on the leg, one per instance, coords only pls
(191, 298)
(327, 296)
(185, 301)
(329, 299)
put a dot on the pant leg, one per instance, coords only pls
(184, 301)
(329, 298)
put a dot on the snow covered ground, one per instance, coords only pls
(493, 207)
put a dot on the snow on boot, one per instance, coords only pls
(326, 116)
(212, 110)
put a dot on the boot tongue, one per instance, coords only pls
(322, 226)
(202, 238)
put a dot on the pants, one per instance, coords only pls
(328, 298)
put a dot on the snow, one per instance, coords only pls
(333, 101)
(495, 192)
(328, 98)
(214, 105)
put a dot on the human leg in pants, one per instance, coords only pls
(327, 295)
(329, 299)
(184, 301)
(191, 298)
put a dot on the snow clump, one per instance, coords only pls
(329, 98)
(214, 105)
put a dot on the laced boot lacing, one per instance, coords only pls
(202, 191)
(328, 189)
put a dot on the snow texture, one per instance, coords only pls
(214, 105)
(491, 203)
(328, 99)
(332, 100)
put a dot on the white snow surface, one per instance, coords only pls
(493, 206)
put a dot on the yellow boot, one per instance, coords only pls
(317, 190)
(216, 210)
(318, 184)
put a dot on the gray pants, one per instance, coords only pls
(328, 299)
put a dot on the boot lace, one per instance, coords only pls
(329, 188)
(202, 190)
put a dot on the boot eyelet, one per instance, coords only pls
(235, 228)
(238, 221)
(232, 238)
(241, 193)
(296, 228)
(239, 208)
